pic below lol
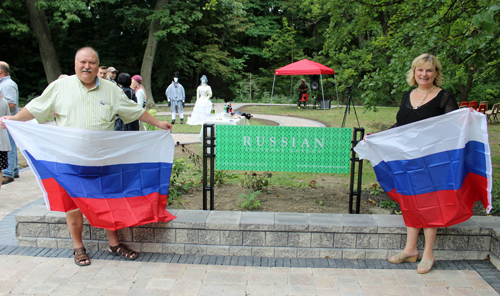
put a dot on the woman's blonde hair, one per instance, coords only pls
(419, 61)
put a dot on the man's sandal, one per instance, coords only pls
(81, 256)
(402, 257)
(123, 251)
(426, 264)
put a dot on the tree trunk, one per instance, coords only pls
(42, 33)
(149, 54)
(464, 91)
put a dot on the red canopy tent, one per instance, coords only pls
(305, 67)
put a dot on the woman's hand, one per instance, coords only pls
(364, 137)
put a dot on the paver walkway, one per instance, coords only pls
(41, 271)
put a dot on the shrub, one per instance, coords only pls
(249, 200)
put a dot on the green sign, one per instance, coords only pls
(283, 149)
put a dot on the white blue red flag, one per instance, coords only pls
(117, 179)
(436, 168)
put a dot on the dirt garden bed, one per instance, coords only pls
(327, 194)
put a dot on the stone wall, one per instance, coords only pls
(268, 234)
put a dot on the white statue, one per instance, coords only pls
(203, 106)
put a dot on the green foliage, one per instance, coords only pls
(239, 44)
(492, 95)
(255, 181)
(379, 39)
(495, 198)
(222, 177)
(375, 189)
(217, 100)
(249, 200)
(388, 204)
(150, 127)
(178, 186)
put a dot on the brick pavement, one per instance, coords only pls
(19, 193)
(44, 271)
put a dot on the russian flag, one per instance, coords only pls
(436, 168)
(117, 179)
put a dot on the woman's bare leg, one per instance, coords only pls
(411, 242)
(430, 237)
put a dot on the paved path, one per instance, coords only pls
(219, 107)
(39, 271)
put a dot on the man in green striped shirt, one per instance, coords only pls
(84, 101)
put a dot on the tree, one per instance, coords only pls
(42, 33)
(384, 36)
(150, 52)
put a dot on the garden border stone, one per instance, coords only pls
(268, 234)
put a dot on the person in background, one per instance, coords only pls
(425, 101)
(111, 74)
(140, 92)
(176, 98)
(4, 138)
(103, 72)
(10, 93)
(97, 103)
(303, 88)
(124, 82)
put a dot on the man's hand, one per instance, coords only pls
(183, 104)
(8, 117)
(150, 119)
(165, 125)
(23, 115)
(169, 104)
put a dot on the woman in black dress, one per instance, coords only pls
(426, 100)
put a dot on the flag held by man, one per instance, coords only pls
(117, 179)
(436, 168)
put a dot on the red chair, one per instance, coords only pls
(464, 104)
(481, 108)
(473, 104)
(305, 98)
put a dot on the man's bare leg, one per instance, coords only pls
(113, 237)
(114, 241)
(74, 220)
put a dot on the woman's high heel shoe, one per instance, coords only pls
(402, 257)
(426, 265)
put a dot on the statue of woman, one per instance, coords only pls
(203, 106)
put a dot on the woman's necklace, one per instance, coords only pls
(425, 96)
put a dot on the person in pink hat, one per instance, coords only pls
(140, 92)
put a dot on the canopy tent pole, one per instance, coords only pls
(336, 90)
(272, 92)
(322, 92)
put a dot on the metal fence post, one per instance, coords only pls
(357, 135)
(208, 153)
